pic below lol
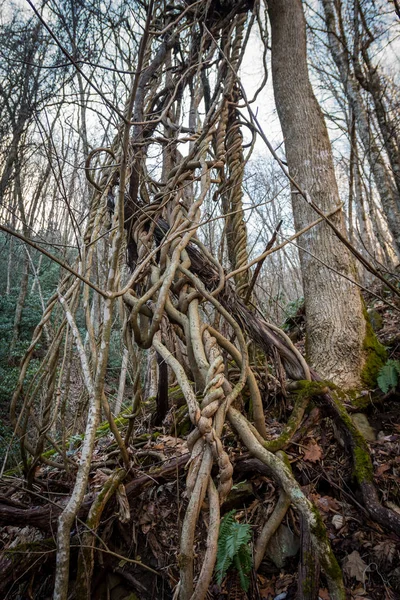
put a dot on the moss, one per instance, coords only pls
(309, 580)
(280, 442)
(26, 547)
(284, 458)
(183, 560)
(330, 565)
(375, 353)
(333, 570)
(310, 389)
(304, 392)
(182, 423)
(361, 402)
(363, 470)
(175, 393)
(318, 529)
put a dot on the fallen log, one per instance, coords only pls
(45, 517)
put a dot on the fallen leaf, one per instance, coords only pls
(312, 452)
(385, 552)
(327, 503)
(266, 587)
(337, 521)
(354, 566)
(324, 594)
(359, 592)
(267, 592)
(380, 470)
(124, 513)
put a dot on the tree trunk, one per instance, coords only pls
(383, 180)
(23, 290)
(335, 325)
(374, 83)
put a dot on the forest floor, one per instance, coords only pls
(143, 522)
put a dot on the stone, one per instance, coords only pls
(363, 426)
(284, 543)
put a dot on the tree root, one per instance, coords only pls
(309, 567)
(285, 437)
(270, 527)
(86, 554)
(363, 468)
(45, 517)
(282, 474)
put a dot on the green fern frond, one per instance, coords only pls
(243, 574)
(233, 548)
(389, 376)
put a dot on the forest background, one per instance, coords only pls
(200, 233)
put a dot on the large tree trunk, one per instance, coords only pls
(335, 324)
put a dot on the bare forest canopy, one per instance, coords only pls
(199, 308)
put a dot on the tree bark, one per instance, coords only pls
(335, 325)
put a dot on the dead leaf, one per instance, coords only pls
(324, 594)
(124, 513)
(354, 566)
(327, 503)
(312, 452)
(99, 479)
(169, 441)
(380, 470)
(385, 552)
(267, 589)
(359, 592)
(337, 522)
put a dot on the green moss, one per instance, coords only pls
(308, 582)
(376, 354)
(363, 470)
(26, 547)
(280, 442)
(304, 392)
(329, 565)
(361, 402)
(318, 529)
(333, 570)
(183, 560)
(182, 423)
(310, 389)
(175, 394)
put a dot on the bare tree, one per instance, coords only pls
(169, 111)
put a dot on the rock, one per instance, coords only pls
(284, 543)
(363, 426)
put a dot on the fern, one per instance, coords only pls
(389, 376)
(233, 548)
